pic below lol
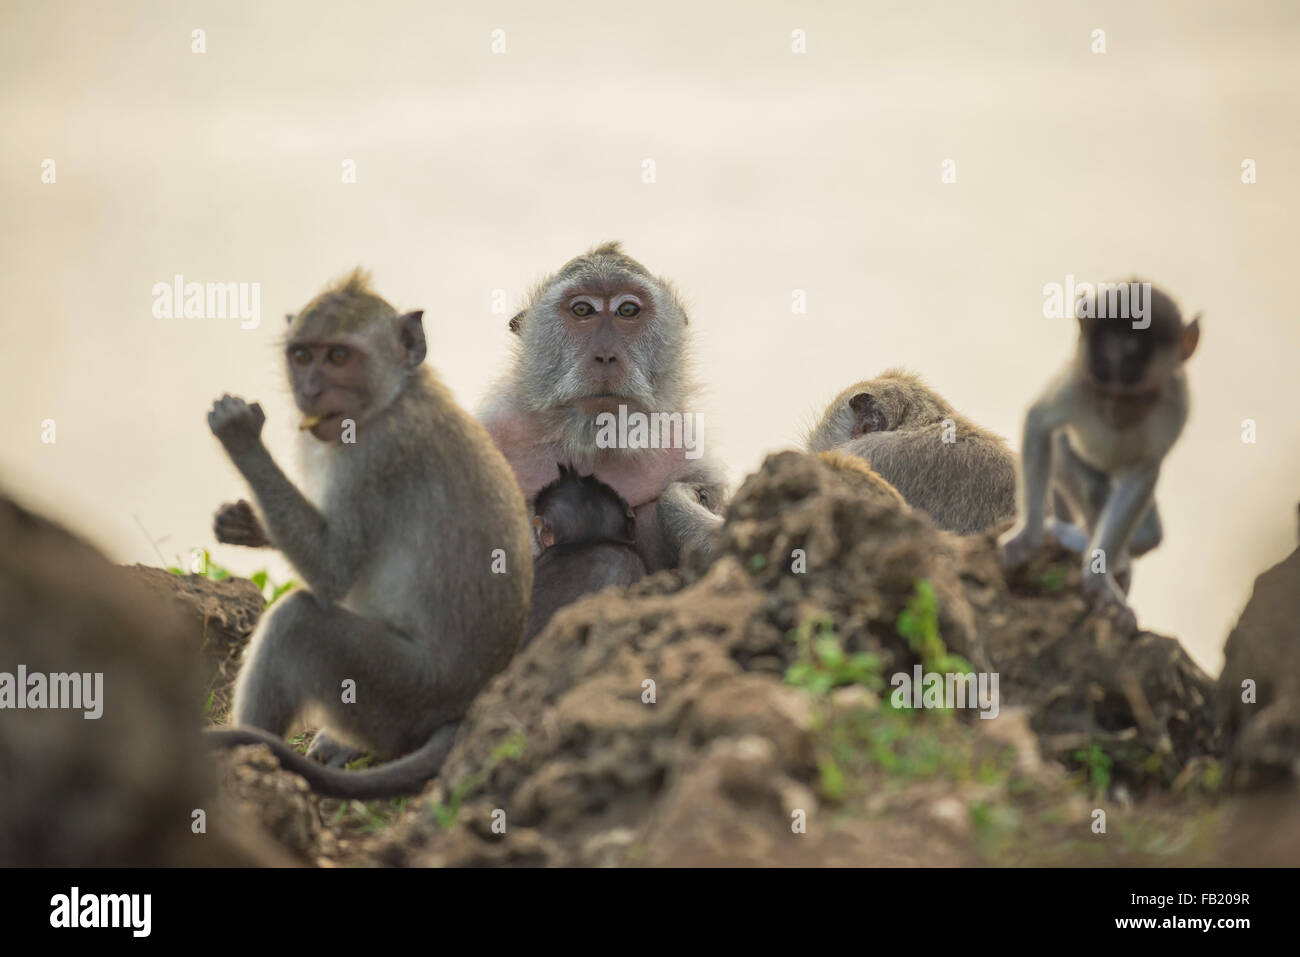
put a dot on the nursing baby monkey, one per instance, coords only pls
(587, 535)
(412, 543)
(1096, 438)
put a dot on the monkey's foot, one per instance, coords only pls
(330, 753)
(1068, 536)
(1018, 545)
(1109, 599)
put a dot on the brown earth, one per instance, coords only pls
(737, 712)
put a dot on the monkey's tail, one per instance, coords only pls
(406, 775)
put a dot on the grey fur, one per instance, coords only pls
(967, 485)
(1095, 444)
(395, 548)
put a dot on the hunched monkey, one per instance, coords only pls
(599, 336)
(587, 534)
(1097, 436)
(413, 544)
(962, 476)
(864, 478)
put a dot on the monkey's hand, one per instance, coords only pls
(236, 524)
(1019, 543)
(236, 423)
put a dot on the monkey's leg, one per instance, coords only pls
(330, 753)
(1022, 540)
(1079, 492)
(302, 654)
(1148, 535)
(1130, 499)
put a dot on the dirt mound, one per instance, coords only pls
(1259, 688)
(115, 781)
(219, 617)
(733, 712)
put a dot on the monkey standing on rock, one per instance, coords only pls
(961, 475)
(603, 335)
(1096, 438)
(587, 534)
(411, 506)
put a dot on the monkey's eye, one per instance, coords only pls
(582, 309)
(628, 309)
(338, 355)
(300, 355)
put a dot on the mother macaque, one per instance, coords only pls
(600, 380)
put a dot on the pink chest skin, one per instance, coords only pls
(639, 477)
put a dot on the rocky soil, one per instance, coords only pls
(738, 711)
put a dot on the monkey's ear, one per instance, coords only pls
(867, 415)
(412, 333)
(288, 318)
(1191, 336)
(545, 534)
(517, 320)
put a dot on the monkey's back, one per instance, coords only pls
(966, 486)
(461, 512)
(564, 573)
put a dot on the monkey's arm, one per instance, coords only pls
(317, 550)
(1131, 495)
(684, 519)
(326, 557)
(1045, 416)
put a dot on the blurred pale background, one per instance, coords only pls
(479, 171)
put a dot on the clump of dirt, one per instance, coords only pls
(732, 712)
(114, 780)
(255, 787)
(220, 617)
(1259, 687)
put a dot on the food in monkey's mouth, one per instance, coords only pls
(311, 421)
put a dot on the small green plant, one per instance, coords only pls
(270, 590)
(823, 664)
(1052, 580)
(918, 623)
(206, 567)
(446, 812)
(1097, 766)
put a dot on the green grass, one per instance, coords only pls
(822, 664)
(446, 812)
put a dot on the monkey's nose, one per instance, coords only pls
(605, 359)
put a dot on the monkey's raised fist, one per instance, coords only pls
(237, 524)
(236, 423)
